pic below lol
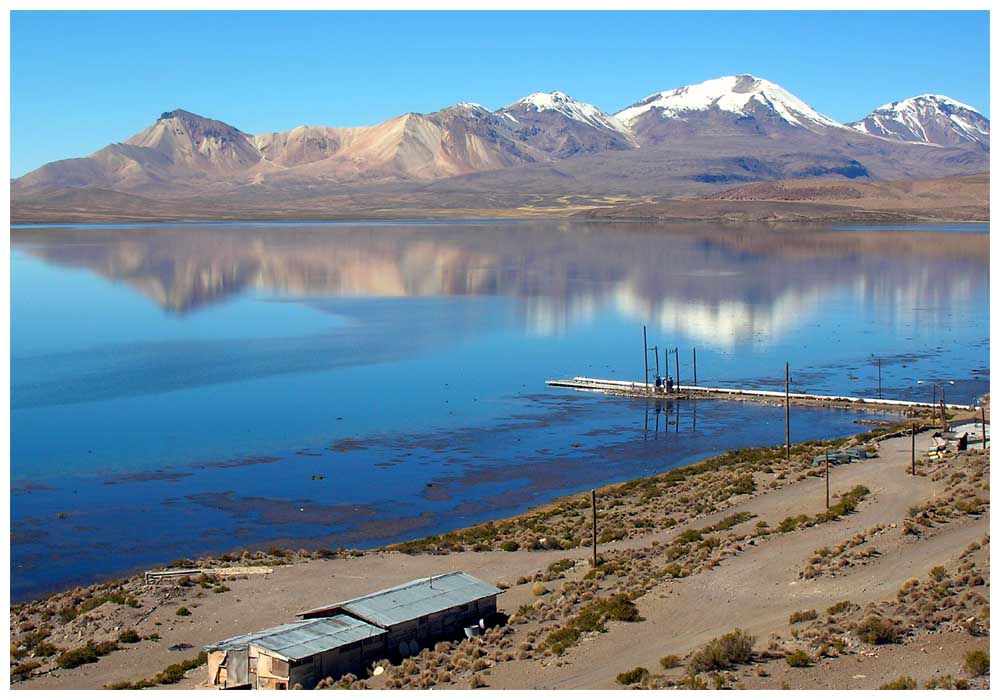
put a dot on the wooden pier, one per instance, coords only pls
(642, 390)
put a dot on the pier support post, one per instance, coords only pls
(788, 431)
(677, 367)
(913, 449)
(593, 509)
(645, 359)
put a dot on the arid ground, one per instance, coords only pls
(888, 585)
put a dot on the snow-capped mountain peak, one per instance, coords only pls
(928, 118)
(736, 94)
(568, 107)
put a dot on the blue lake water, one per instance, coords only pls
(175, 389)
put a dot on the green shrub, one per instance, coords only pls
(510, 546)
(562, 639)
(670, 661)
(44, 649)
(723, 652)
(610, 536)
(802, 616)
(87, 654)
(168, 676)
(183, 612)
(692, 682)
(901, 683)
(938, 573)
(25, 668)
(591, 618)
(636, 675)
(688, 536)
(977, 663)
(129, 637)
(848, 504)
(67, 612)
(557, 567)
(791, 523)
(799, 659)
(175, 672)
(877, 630)
(837, 608)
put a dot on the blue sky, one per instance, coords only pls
(81, 80)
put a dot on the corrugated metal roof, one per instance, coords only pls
(309, 637)
(241, 641)
(415, 599)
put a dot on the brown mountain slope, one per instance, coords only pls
(963, 198)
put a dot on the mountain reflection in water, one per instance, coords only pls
(719, 285)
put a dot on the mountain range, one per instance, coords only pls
(541, 150)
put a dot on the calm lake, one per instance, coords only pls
(178, 389)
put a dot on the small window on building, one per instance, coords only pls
(279, 667)
(281, 686)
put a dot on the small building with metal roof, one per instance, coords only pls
(420, 612)
(312, 650)
(346, 637)
(228, 659)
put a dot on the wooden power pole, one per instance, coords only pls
(694, 364)
(913, 449)
(593, 509)
(788, 431)
(828, 479)
(983, 421)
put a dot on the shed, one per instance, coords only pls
(420, 612)
(228, 665)
(306, 652)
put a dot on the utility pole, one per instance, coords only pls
(645, 359)
(944, 420)
(983, 421)
(913, 449)
(593, 508)
(788, 432)
(694, 364)
(879, 377)
(677, 367)
(666, 362)
(828, 479)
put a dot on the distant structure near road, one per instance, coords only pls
(345, 637)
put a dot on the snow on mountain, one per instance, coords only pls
(930, 119)
(568, 107)
(741, 95)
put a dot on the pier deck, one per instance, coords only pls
(641, 390)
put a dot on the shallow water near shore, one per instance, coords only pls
(180, 389)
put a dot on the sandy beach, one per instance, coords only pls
(743, 540)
